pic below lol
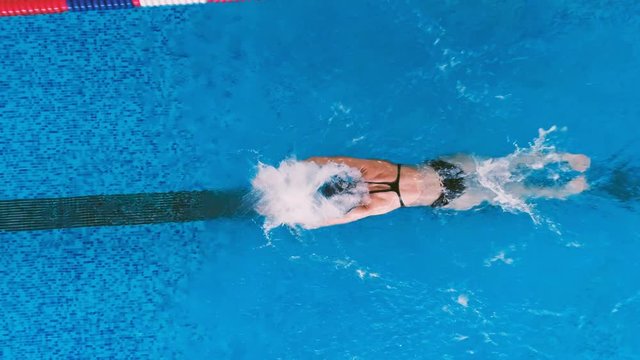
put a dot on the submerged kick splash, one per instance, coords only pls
(323, 191)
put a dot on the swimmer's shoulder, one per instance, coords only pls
(352, 162)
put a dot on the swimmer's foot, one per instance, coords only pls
(577, 185)
(578, 162)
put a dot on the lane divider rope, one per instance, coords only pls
(35, 7)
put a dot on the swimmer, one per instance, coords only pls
(449, 183)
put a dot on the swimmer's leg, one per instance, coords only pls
(476, 195)
(575, 186)
(578, 162)
(470, 199)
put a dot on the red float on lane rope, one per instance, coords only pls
(32, 7)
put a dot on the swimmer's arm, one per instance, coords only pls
(349, 161)
(358, 213)
(322, 160)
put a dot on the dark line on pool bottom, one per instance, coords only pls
(121, 209)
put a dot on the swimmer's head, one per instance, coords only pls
(337, 185)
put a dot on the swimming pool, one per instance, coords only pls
(192, 98)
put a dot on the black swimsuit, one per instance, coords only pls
(452, 178)
(394, 186)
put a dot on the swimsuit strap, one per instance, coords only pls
(394, 186)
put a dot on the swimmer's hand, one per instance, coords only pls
(578, 162)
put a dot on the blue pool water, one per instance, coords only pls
(190, 98)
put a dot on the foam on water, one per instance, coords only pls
(290, 193)
(498, 175)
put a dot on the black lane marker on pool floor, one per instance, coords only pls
(123, 209)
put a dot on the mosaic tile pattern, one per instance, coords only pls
(90, 104)
(94, 293)
(87, 112)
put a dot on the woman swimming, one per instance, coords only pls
(449, 182)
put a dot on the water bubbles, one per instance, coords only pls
(305, 194)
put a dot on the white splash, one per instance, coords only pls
(289, 194)
(625, 302)
(463, 299)
(501, 175)
(574, 244)
(501, 256)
